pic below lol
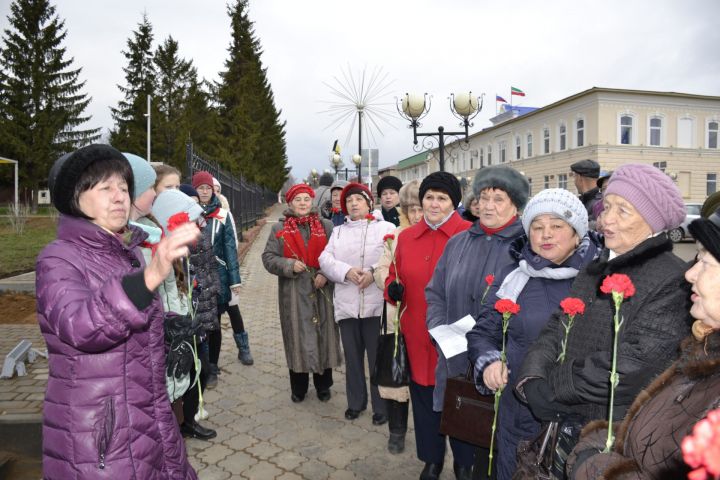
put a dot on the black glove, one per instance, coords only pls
(395, 291)
(179, 359)
(538, 394)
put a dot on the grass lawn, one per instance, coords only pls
(18, 252)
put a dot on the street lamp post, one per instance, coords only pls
(336, 162)
(464, 106)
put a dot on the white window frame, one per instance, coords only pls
(529, 144)
(708, 121)
(693, 135)
(714, 181)
(560, 146)
(547, 148)
(563, 180)
(656, 116)
(633, 128)
(580, 118)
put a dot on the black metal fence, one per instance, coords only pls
(247, 200)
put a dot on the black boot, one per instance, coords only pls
(195, 430)
(243, 344)
(462, 473)
(396, 443)
(431, 471)
(397, 423)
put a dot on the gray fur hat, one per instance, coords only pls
(506, 179)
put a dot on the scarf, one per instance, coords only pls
(438, 225)
(493, 231)
(515, 281)
(294, 244)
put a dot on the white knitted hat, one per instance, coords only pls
(559, 203)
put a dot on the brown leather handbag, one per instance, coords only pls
(467, 415)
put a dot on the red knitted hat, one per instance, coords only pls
(352, 189)
(202, 178)
(299, 188)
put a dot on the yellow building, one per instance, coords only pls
(676, 132)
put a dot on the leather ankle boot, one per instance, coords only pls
(195, 430)
(431, 471)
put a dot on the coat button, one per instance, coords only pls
(135, 263)
(427, 258)
(488, 238)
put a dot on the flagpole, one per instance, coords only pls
(511, 99)
(496, 102)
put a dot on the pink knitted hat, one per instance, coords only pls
(651, 192)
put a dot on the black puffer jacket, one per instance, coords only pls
(206, 284)
(655, 320)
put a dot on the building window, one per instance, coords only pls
(655, 134)
(562, 180)
(482, 157)
(501, 148)
(562, 137)
(626, 130)
(711, 183)
(661, 165)
(529, 145)
(546, 140)
(489, 154)
(685, 132)
(580, 132)
(518, 148)
(712, 139)
(547, 182)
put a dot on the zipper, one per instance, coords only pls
(104, 430)
(459, 401)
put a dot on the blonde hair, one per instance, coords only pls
(163, 171)
(409, 195)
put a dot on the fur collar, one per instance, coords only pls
(650, 248)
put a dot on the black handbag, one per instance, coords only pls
(391, 367)
(467, 415)
(545, 456)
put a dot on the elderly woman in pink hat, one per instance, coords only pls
(641, 204)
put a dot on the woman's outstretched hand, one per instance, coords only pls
(169, 249)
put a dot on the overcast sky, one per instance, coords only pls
(550, 49)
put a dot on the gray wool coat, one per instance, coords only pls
(310, 334)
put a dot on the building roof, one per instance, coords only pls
(414, 160)
(594, 90)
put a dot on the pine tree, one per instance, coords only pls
(130, 131)
(41, 100)
(175, 76)
(254, 137)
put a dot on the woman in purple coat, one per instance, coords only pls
(106, 412)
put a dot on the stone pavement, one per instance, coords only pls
(261, 433)
(21, 398)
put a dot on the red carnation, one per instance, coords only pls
(573, 306)
(279, 234)
(505, 305)
(335, 210)
(701, 449)
(490, 279)
(177, 220)
(618, 283)
(369, 217)
(388, 237)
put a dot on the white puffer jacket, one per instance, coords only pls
(356, 243)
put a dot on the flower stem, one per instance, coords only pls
(614, 380)
(498, 394)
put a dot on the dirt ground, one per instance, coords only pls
(19, 308)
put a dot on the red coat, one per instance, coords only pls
(418, 250)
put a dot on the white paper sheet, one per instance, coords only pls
(451, 338)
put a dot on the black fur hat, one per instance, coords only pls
(506, 179)
(66, 172)
(390, 182)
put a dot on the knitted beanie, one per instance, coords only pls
(171, 201)
(143, 173)
(653, 194)
(444, 182)
(326, 179)
(338, 185)
(202, 178)
(353, 188)
(67, 170)
(559, 203)
(299, 188)
(188, 190)
(506, 179)
(390, 182)
(216, 183)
